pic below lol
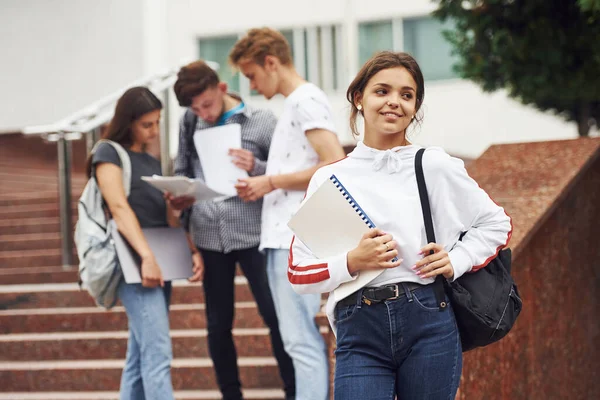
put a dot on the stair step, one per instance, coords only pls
(30, 241)
(60, 295)
(23, 175)
(77, 319)
(33, 258)
(15, 184)
(36, 275)
(187, 374)
(32, 211)
(50, 198)
(252, 342)
(250, 394)
(30, 225)
(5, 203)
(34, 197)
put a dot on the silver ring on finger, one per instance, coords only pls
(387, 247)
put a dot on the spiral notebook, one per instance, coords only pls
(331, 222)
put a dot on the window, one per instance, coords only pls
(217, 49)
(423, 39)
(374, 37)
(316, 52)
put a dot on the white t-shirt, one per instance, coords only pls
(305, 108)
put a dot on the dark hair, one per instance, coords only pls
(133, 104)
(192, 80)
(380, 61)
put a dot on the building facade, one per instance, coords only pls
(330, 39)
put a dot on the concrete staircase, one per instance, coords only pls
(54, 343)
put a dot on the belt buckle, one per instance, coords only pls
(396, 293)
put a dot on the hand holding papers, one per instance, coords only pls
(330, 222)
(213, 146)
(183, 186)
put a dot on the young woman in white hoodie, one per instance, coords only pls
(392, 338)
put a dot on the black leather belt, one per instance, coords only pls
(379, 294)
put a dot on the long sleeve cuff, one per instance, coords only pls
(461, 262)
(338, 269)
(260, 167)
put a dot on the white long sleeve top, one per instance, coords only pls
(384, 184)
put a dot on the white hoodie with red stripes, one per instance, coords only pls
(384, 184)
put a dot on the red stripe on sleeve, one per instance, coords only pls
(308, 279)
(305, 279)
(486, 262)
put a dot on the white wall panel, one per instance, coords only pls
(60, 55)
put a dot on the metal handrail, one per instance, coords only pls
(89, 120)
(91, 116)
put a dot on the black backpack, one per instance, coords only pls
(486, 303)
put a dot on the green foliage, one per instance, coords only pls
(589, 5)
(543, 52)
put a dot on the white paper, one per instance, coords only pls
(212, 145)
(183, 186)
(328, 225)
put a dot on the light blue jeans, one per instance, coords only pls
(147, 371)
(299, 331)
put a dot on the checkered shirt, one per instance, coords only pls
(228, 225)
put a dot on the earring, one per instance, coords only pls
(359, 107)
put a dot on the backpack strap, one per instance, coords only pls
(190, 120)
(125, 162)
(427, 218)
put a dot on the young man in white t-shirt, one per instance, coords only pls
(304, 140)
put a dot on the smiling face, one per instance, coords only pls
(388, 103)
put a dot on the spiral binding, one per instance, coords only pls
(361, 213)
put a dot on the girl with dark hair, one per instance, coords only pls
(392, 339)
(147, 371)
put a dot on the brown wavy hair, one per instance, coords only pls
(380, 61)
(133, 104)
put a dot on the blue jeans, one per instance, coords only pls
(147, 371)
(299, 331)
(404, 347)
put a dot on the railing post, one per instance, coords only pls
(64, 193)
(91, 138)
(165, 145)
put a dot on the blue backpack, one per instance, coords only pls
(99, 269)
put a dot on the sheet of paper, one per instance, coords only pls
(213, 146)
(328, 225)
(183, 186)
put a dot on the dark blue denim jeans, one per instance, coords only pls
(404, 347)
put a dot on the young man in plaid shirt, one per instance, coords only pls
(227, 232)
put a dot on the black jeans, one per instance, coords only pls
(219, 292)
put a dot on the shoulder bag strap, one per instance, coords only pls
(425, 207)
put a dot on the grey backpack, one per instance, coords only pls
(99, 270)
